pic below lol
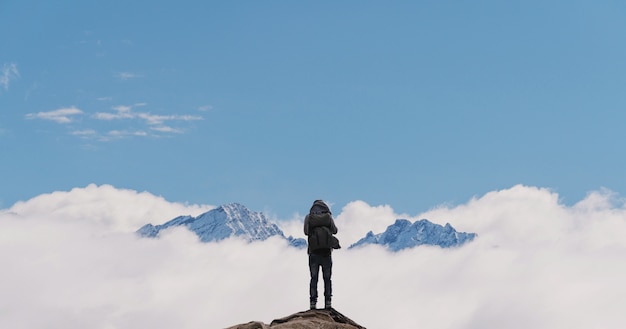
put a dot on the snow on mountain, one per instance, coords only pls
(236, 220)
(223, 222)
(402, 234)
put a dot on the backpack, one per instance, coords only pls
(320, 236)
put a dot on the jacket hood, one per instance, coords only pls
(319, 206)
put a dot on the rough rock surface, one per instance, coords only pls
(318, 319)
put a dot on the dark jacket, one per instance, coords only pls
(319, 215)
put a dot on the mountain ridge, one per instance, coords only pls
(235, 220)
(232, 219)
(403, 234)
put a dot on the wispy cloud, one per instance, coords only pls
(205, 108)
(125, 133)
(154, 119)
(116, 135)
(166, 129)
(62, 115)
(84, 133)
(124, 122)
(126, 75)
(126, 112)
(9, 72)
(121, 112)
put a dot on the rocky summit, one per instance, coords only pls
(318, 319)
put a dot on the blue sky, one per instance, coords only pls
(274, 104)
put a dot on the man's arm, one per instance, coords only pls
(333, 228)
(306, 225)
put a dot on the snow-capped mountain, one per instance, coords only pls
(402, 234)
(235, 220)
(223, 222)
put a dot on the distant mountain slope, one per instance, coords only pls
(223, 222)
(402, 234)
(235, 220)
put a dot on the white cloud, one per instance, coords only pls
(536, 264)
(157, 124)
(126, 112)
(62, 115)
(356, 219)
(120, 209)
(107, 116)
(153, 119)
(116, 134)
(8, 73)
(166, 129)
(123, 108)
(84, 133)
(121, 112)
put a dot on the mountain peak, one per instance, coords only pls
(402, 234)
(236, 220)
(232, 219)
(234, 208)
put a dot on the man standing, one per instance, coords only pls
(319, 226)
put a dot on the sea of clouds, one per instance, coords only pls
(71, 260)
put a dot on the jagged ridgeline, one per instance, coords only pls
(402, 234)
(223, 222)
(235, 220)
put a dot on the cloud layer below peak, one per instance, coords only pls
(536, 264)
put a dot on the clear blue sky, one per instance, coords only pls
(275, 103)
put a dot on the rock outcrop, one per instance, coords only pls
(318, 319)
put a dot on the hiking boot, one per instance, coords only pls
(313, 305)
(327, 304)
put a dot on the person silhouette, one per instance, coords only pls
(319, 226)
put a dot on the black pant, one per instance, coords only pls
(326, 262)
